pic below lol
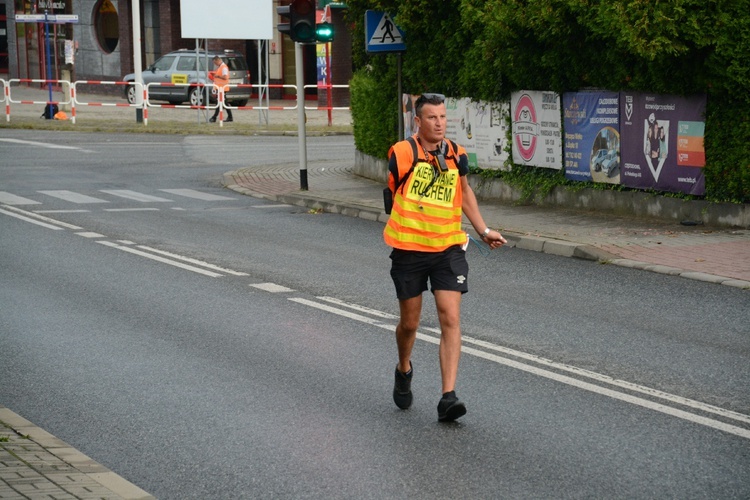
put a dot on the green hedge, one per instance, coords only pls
(374, 105)
(486, 49)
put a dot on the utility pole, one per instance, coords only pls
(135, 10)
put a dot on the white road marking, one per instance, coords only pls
(88, 234)
(72, 197)
(61, 211)
(35, 216)
(541, 372)
(11, 199)
(271, 287)
(142, 209)
(134, 195)
(44, 145)
(192, 193)
(29, 219)
(192, 261)
(159, 259)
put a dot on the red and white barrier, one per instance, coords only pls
(77, 102)
(9, 93)
(261, 107)
(72, 93)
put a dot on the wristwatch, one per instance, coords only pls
(486, 232)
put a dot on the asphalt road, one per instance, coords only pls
(203, 344)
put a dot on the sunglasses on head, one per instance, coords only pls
(431, 97)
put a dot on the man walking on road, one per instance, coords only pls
(430, 194)
(221, 80)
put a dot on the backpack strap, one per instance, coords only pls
(415, 157)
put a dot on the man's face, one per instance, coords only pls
(432, 121)
(217, 62)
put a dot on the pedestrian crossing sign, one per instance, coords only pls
(382, 34)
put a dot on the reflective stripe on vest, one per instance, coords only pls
(425, 218)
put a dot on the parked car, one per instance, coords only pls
(188, 66)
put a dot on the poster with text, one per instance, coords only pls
(460, 125)
(490, 130)
(592, 136)
(536, 129)
(662, 142)
(480, 127)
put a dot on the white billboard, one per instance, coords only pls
(227, 19)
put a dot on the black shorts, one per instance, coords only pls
(446, 270)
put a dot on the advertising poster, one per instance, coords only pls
(592, 136)
(460, 127)
(490, 129)
(480, 127)
(536, 129)
(407, 112)
(322, 63)
(662, 142)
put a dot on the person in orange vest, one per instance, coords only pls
(430, 194)
(221, 80)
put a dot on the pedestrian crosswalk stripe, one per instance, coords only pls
(192, 193)
(133, 195)
(11, 199)
(73, 197)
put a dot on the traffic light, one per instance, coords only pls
(324, 32)
(301, 25)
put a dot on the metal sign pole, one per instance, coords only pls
(136, 12)
(301, 116)
(400, 98)
(48, 49)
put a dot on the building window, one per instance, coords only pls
(106, 25)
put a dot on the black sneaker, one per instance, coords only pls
(212, 119)
(402, 388)
(450, 408)
(229, 119)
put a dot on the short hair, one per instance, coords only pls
(217, 57)
(428, 98)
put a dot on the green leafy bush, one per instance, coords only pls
(486, 49)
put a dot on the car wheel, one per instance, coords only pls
(196, 96)
(241, 103)
(130, 91)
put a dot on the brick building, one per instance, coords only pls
(100, 43)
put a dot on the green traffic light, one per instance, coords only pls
(324, 32)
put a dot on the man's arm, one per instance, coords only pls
(470, 208)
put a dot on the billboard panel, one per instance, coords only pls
(592, 136)
(536, 129)
(662, 142)
(227, 19)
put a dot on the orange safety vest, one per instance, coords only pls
(426, 214)
(220, 79)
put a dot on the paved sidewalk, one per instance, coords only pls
(716, 255)
(36, 465)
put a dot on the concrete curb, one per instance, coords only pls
(66, 468)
